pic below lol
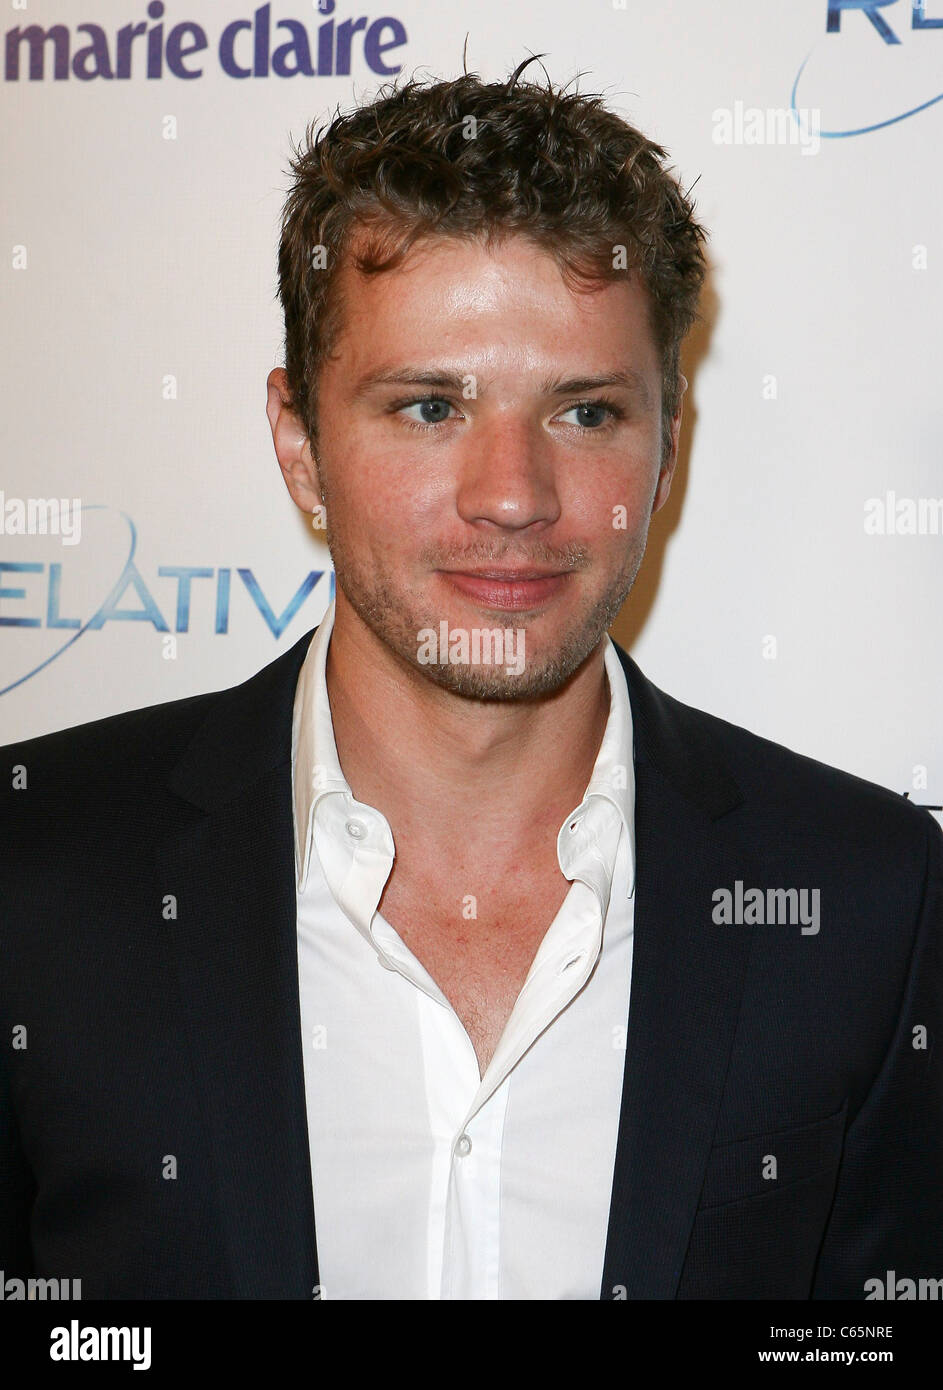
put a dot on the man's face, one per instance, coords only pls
(521, 498)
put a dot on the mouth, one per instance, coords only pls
(514, 590)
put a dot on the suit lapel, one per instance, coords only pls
(233, 873)
(686, 985)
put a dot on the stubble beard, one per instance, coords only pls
(395, 622)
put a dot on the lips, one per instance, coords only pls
(514, 590)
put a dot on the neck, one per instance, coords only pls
(441, 764)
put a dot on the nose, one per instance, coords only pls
(507, 477)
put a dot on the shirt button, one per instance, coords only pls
(464, 1146)
(356, 829)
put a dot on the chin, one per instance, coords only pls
(536, 679)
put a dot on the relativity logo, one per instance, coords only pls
(877, 63)
(100, 583)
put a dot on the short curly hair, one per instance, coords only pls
(468, 159)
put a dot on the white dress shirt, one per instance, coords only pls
(429, 1180)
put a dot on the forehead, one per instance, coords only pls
(463, 298)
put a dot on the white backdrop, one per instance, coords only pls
(140, 222)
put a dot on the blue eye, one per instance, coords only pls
(601, 413)
(596, 416)
(436, 405)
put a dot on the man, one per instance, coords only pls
(448, 957)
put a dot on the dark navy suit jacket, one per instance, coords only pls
(159, 1044)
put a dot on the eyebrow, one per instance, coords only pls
(455, 381)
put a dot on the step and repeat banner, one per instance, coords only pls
(148, 547)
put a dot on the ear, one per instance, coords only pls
(292, 448)
(666, 472)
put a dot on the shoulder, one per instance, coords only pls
(104, 770)
(119, 766)
(782, 793)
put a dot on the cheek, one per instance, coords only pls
(384, 499)
(610, 504)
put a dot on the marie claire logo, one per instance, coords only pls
(476, 646)
(867, 88)
(259, 46)
(70, 599)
